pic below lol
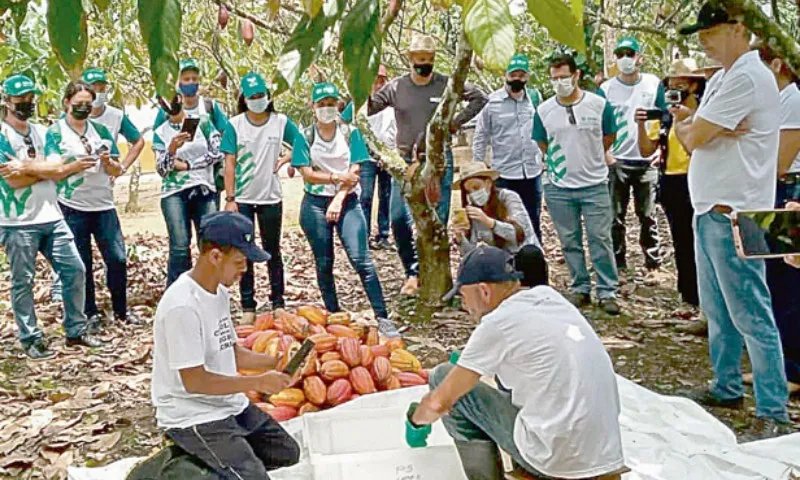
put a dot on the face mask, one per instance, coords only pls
(563, 86)
(100, 100)
(423, 69)
(327, 114)
(189, 89)
(480, 197)
(626, 65)
(81, 112)
(24, 110)
(516, 86)
(257, 105)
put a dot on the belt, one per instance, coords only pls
(723, 209)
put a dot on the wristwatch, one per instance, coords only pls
(230, 198)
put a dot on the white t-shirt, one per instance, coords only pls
(333, 156)
(192, 328)
(790, 116)
(90, 190)
(626, 99)
(384, 125)
(560, 377)
(738, 172)
(190, 152)
(575, 156)
(38, 203)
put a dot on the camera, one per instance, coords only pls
(673, 97)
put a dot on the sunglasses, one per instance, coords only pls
(626, 53)
(85, 142)
(29, 144)
(571, 114)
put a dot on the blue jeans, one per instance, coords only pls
(352, 230)
(268, 218)
(56, 243)
(530, 191)
(370, 171)
(734, 297)
(181, 210)
(485, 413)
(567, 206)
(105, 228)
(443, 209)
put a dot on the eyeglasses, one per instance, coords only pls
(571, 114)
(31, 148)
(85, 142)
(626, 53)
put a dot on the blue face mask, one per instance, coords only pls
(189, 89)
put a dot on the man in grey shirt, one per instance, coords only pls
(415, 97)
(506, 122)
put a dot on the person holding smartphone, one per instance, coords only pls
(252, 144)
(87, 198)
(185, 160)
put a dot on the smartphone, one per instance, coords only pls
(766, 233)
(673, 97)
(190, 126)
(655, 114)
(299, 358)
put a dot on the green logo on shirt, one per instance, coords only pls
(622, 132)
(174, 181)
(245, 167)
(8, 197)
(554, 169)
(68, 188)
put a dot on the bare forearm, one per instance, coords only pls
(230, 174)
(249, 360)
(207, 383)
(22, 182)
(133, 154)
(681, 131)
(438, 402)
(647, 146)
(316, 177)
(50, 170)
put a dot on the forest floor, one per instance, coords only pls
(93, 407)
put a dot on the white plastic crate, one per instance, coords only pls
(431, 463)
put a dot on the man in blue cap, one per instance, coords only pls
(198, 395)
(557, 415)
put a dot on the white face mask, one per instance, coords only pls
(257, 105)
(100, 99)
(626, 65)
(563, 86)
(327, 114)
(480, 197)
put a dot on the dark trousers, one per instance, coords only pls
(243, 447)
(181, 210)
(642, 179)
(530, 191)
(678, 208)
(370, 173)
(105, 228)
(268, 218)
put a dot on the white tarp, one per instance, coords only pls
(664, 438)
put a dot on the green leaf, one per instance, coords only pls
(312, 7)
(490, 30)
(160, 23)
(361, 48)
(559, 20)
(577, 9)
(102, 4)
(66, 27)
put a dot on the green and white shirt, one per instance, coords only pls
(90, 190)
(118, 123)
(37, 203)
(575, 156)
(334, 156)
(647, 93)
(196, 153)
(257, 148)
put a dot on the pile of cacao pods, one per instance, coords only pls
(349, 360)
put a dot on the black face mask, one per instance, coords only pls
(516, 86)
(81, 112)
(423, 69)
(24, 110)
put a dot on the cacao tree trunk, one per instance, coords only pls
(133, 188)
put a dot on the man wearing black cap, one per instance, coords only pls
(199, 397)
(558, 415)
(733, 138)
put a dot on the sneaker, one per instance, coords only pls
(85, 340)
(248, 318)
(387, 328)
(37, 350)
(411, 287)
(706, 398)
(764, 428)
(382, 244)
(610, 306)
(128, 319)
(94, 324)
(580, 300)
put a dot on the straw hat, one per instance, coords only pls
(710, 64)
(422, 43)
(684, 68)
(473, 170)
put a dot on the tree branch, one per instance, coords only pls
(255, 20)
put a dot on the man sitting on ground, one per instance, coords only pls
(557, 415)
(198, 396)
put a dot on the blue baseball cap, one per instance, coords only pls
(231, 229)
(484, 264)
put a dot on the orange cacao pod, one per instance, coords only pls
(342, 331)
(381, 370)
(264, 321)
(339, 318)
(296, 326)
(333, 369)
(262, 339)
(393, 383)
(254, 396)
(265, 407)
(350, 348)
(324, 342)
(314, 315)
(361, 329)
(315, 390)
(405, 361)
(408, 379)
(328, 356)
(310, 367)
(367, 357)
(316, 329)
(243, 331)
(339, 392)
(250, 340)
(281, 414)
(395, 343)
(290, 397)
(277, 324)
(380, 351)
(372, 337)
(362, 381)
(307, 408)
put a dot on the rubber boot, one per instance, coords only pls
(481, 459)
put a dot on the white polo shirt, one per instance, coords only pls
(738, 172)
(561, 378)
(647, 93)
(790, 116)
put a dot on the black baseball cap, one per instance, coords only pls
(484, 264)
(231, 229)
(708, 16)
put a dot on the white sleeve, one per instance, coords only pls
(731, 103)
(184, 332)
(484, 351)
(790, 113)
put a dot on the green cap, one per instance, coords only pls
(189, 64)
(519, 62)
(252, 84)
(95, 75)
(629, 43)
(324, 90)
(19, 85)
